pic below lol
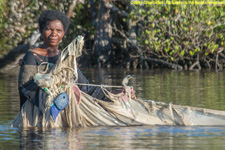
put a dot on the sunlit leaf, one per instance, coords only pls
(182, 53)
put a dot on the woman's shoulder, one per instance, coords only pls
(28, 54)
(39, 51)
(29, 58)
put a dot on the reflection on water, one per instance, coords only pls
(200, 89)
(140, 137)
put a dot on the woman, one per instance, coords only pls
(53, 26)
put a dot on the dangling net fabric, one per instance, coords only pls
(122, 110)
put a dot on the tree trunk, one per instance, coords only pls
(102, 46)
(131, 25)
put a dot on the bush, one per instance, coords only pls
(181, 34)
(19, 20)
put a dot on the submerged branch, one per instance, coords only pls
(196, 64)
(11, 60)
(164, 63)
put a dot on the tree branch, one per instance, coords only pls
(196, 64)
(164, 63)
(70, 12)
(11, 59)
(116, 10)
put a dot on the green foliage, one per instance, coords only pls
(2, 5)
(178, 32)
(19, 20)
(13, 24)
(3, 26)
(175, 33)
(82, 22)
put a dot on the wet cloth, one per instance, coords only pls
(28, 89)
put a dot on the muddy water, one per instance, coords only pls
(201, 89)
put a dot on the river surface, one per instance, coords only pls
(201, 89)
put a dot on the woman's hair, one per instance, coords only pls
(52, 15)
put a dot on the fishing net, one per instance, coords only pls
(84, 111)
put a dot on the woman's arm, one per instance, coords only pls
(94, 91)
(28, 89)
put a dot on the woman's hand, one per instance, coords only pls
(77, 93)
(125, 95)
(133, 96)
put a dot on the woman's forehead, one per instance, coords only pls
(54, 23)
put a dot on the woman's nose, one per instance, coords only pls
(54, 32)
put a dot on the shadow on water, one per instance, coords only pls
(201, 89)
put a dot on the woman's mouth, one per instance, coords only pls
(53, 40)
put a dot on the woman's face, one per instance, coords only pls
(53, 33)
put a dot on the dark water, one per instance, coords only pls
(201, 89)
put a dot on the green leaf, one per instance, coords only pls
(191, 53)
(171, 52)
(216, 46)
(182, 53)
(146, 41)
(167, 49)
(148, 31)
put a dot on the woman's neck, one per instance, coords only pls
(46, 51)
(49, 48)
